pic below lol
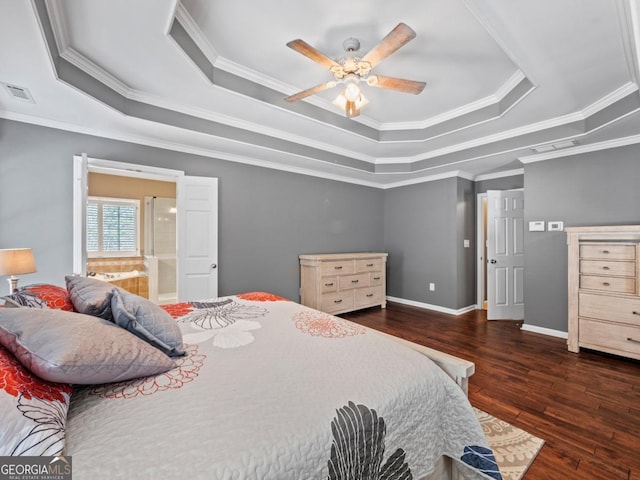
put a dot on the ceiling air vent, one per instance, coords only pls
(555, 146)
(19, 93)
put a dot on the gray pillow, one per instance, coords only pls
(23, 299)
(70, 347)
(148, 321)
(90, 296)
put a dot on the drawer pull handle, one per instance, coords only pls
(606, 284)
(355, 281)
(633, 340)
(369, 294)
(605, 268)
(328, 284)
(369, 264)
(376, 278)
(605, 251)
(337, 301)
(338, 268)
(635, 312)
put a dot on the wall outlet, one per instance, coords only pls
(432, 287)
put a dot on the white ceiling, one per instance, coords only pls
(209, 77)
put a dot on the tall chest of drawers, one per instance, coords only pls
(341, 282)
(604, 289)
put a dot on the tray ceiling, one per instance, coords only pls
(210, 78)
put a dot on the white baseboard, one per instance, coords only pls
(544, 331)
(428, 306)
(451, 311)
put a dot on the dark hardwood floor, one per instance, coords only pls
(585, 406)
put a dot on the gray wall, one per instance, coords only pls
(501, 183)
(266, 217)
(424, 228)
(598, 188)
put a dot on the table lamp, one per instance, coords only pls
(16, 261)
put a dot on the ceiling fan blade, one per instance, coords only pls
(307, 50)
(310, 91)
(396, 38)
(399, 84)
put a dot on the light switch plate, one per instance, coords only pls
(536, 226)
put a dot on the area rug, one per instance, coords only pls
(513, 448)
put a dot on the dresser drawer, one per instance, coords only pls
(608, 284)
(608, 251)
(604, 267)
(368, 265)
(616, 309)
(353, 281)
(329, 284)
(339, 267)
(377, 278)
(369, 296)
(610, 337)
(334, 302)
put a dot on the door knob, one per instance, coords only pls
(493, 260)
(214, 265)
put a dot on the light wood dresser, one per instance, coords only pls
(604, 289)
(341, 282)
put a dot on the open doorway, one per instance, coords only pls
(196, 225)
(500, 240)
(481, 242)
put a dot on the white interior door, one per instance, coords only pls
(80, 193)
(505, 255)
(197, 223)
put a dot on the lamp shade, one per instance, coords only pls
(16, 261)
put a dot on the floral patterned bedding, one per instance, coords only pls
(270, 389)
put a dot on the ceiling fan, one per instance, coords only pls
(353, 69)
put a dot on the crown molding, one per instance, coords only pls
(179, 147)
(246, 125)
(581, 115)
(429, 178)
(83, 63)
(503, 174)
(192, 28)
(511, 83)
(592, 147)
(609, 99)
(58, 24)
(629, 18)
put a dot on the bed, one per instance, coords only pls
(260, 387)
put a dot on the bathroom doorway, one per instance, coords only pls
(196, 219)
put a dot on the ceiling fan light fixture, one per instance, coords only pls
(351, 107)
(352, 92)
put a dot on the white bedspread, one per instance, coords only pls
(256, 397)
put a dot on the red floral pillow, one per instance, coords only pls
(42, 295)
(33, 411)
